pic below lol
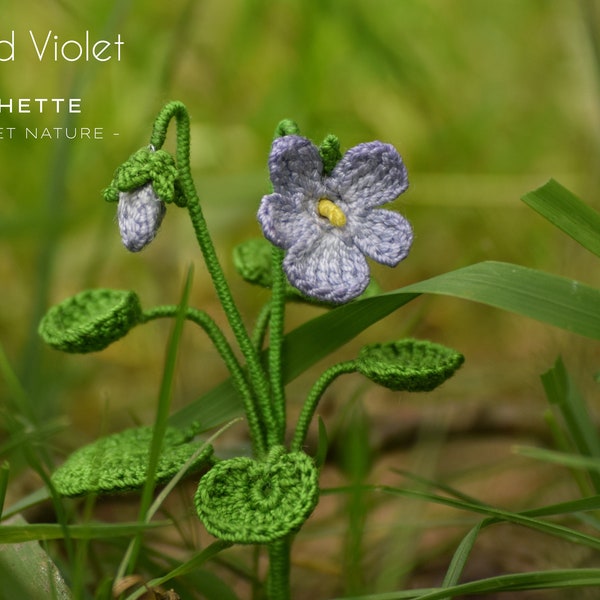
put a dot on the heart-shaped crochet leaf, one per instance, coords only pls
(244, 501)
(408, 365)
(90, 320)
(119, 462)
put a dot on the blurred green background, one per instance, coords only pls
(484, 100)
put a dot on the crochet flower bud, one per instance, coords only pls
(139, 213)
(142, 186)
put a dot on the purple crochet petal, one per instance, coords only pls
(283, 221)
(369, 175)
(327, 268)
(295, 165)
(384, 236)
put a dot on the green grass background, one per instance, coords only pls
(484, 100)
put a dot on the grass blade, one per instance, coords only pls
(551, 299)
(561, 392)
(567, 212)
(160, 422)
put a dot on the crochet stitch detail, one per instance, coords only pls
(147, 165)
(252, 260)
(118, 462)
(328, 224)
(90, 320)
(244, 501)
(408, 365)
(139, 214)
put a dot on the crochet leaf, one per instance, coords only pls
(252, 260)
(408, 365)
(91, 320)
(119, 462)
(244, 501)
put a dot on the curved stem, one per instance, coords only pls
(256, 373)
(226, 352)
(312, 400)
(276, 341)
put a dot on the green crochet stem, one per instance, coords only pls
(312, 400)
(276, 323)
(257, 376)
(278, 579)
(260, 326)
(224, 349)
(276, 341)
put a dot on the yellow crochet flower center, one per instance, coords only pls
(326, 208)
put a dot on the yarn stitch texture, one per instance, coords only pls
(244, 501)
(408, 365)
(119, 462)
(147, 165)
(139, 214)
(141, 185)
(90, 320)
(328, 224)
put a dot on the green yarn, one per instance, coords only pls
(408, 365)
(330, 153)
(90, 320)
(252, 260)
(119, 462)
(244, 501)
(261, 408)
(147, 165)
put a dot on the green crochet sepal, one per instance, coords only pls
(91, 320)
(147, 165)
(330, 153)
(408, 365)
(253, 261)
(244, 501)
(329, 149)
(119, 462)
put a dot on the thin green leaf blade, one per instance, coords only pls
(562, 391)
(27, 571)
(548, 298)
(13, 534)
(567, 212)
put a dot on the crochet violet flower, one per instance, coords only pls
(328, 224)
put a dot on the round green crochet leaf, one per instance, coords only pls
(408, 365)
(90, 320)
(252, 260)
(119, 462)
(244, 501)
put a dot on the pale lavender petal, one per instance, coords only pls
(283, 220)
(139, 213)
(369, 175)
(383, 235)
(295, 165)
(325, 267)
